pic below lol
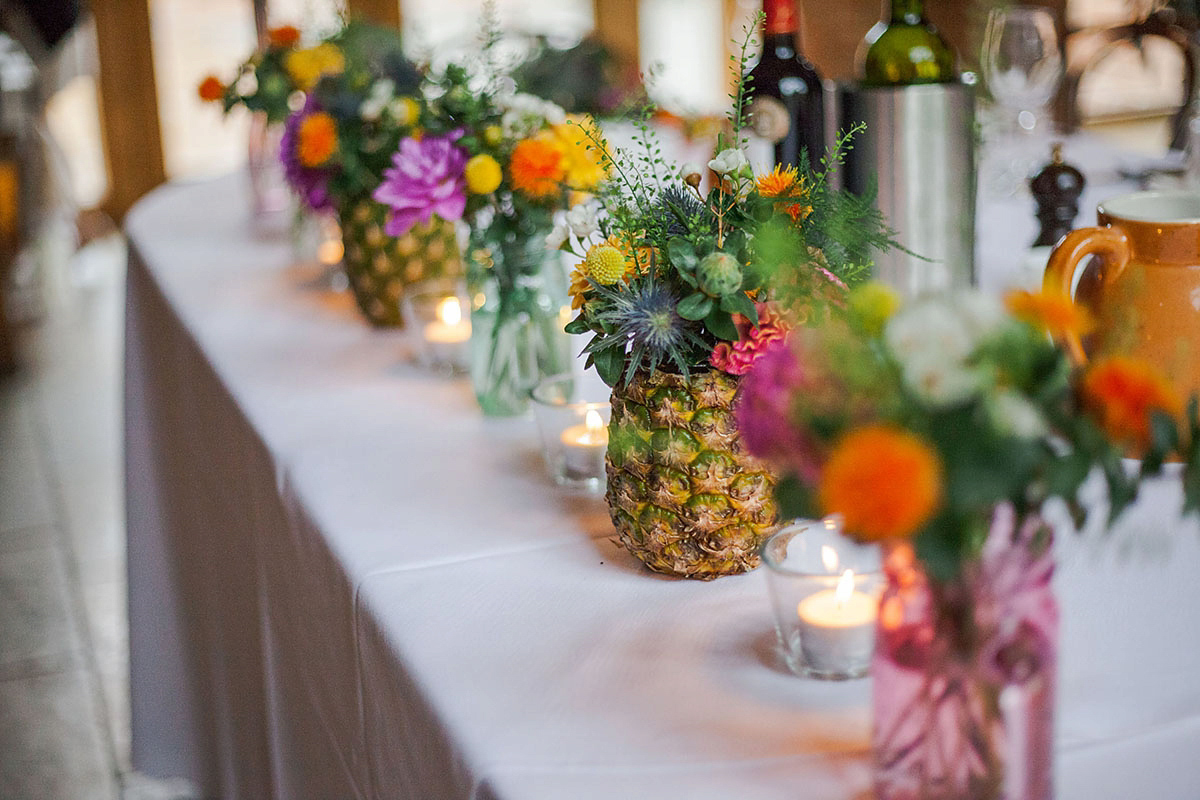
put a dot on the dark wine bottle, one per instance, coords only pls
(787, 110)
(905, 49)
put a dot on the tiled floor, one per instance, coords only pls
(64, 710)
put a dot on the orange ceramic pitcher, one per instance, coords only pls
(1143, 286)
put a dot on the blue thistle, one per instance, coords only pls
(682, 210)
(643, 317)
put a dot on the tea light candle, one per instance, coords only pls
(584, 446)
(837, 626)
(449, 327)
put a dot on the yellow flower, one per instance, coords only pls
(606, 264)
(884, 481)
(584, 169)
(483, 174)
(602, 265)
(493, 135)
(406, 110)
(873, 304)
(307, 65)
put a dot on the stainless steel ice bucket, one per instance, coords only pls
(919, 145)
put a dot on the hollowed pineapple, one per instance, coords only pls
(684, 496)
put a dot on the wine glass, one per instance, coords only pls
(1022, 64)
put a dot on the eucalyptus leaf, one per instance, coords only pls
(577, 325)
(695, 306)
(682, 254)
(608, 363)
(740, 303)
(720, 324)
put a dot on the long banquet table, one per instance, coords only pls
(347, 583)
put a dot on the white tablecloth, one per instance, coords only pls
(346, 583)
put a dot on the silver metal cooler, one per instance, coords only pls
(920, 147)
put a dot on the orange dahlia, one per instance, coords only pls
(1050, 311)
(538, 165)
(211, 89)
(283, 36)
(1122, 393)
(316, 139)
(884, 481)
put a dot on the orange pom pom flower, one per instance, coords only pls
(1123, 392)
(211, 89)
(538, 165)
(283, 36)
(884, 481)
(316, 139)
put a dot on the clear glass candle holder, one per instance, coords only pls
(573, 421)
(437, 314)
(825, 592)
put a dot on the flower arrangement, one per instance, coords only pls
(915, 423)
(941, 429)
(270, 78)
(674, 276)
(585, 78)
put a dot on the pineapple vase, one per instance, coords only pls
(379, 266)
(683, 494)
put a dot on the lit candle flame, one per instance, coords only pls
(592, 421)
(845, 587)
(829, 558)
(450, 311)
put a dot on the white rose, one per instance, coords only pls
(731, 160)
(381, 93)
(557, 236)
(1012, 413)
(926, 331)
(940, 382)
(582, 220)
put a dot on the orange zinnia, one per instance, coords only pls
(538, 165)
(283, 36)
(1053, 312)
(316, 139)
(211, 89)
(1123, 392)
(884, 481)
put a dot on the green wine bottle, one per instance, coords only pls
(906, 49)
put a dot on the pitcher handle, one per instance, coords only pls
(1068, 253)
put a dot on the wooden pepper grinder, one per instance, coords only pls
(1056, 189)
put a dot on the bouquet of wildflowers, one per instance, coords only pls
(678, 276)
(916, 423)
(269, 80)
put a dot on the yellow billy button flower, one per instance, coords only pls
(873, 304)
(493, 135)
(605, 264)
(483, 174)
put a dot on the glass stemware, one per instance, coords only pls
(1022, 63)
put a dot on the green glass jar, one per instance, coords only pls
(905, 49)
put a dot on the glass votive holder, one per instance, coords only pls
(437, 314)
(825, 592)
(574, 426)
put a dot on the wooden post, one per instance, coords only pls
(128, 103)
(381, 12)
(617, 28)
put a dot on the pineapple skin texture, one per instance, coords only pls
(379, 266)
(682, 492)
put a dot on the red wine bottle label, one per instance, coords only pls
(769, 119)
(781, 16)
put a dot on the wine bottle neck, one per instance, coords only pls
(908, 12)
(782, 17)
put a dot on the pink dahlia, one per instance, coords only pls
(426, 178)
(736, 358)
(764, 412)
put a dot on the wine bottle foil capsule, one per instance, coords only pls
(919, 148)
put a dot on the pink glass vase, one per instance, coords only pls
(964, 672)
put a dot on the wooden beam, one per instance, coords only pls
(128, 103)
(617, 28)
(381, 12)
